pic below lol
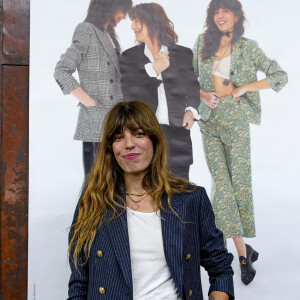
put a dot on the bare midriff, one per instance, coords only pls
(220, 88)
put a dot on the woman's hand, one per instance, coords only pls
(83, 97)
(188, 120)
(216, 295)
(210, 98)
(161, 63)
(238, 92)
(88, 102)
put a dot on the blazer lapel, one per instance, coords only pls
(109, 48)
(172, 232)
(235, 64)
(120, 241)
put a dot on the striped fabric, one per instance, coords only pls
(96, 61)
(189, 242)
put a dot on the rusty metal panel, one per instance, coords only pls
(14, 182)
(15, 27)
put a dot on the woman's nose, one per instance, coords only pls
(132, 26)
(129, 142)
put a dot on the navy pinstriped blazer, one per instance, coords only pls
(109, 271)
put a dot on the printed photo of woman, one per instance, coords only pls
(226, 65)
(161, 73)
(94, 53)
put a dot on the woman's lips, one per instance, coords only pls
(131, 155)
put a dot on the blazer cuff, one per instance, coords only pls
(223, 283)
(68, 85)
(150, 71)
(194, 111)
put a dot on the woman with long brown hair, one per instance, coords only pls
(94, 52)
(226, 65)
(161, 72)
(139, 232)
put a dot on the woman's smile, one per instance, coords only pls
(131, 155)
(225, 19)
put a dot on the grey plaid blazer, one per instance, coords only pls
(96, 61)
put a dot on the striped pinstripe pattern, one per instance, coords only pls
(189, 243)
(96, 61)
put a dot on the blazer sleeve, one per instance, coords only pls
(72, 58)
(214, 256)
(196, 54)
(78, 283)
(191, 83)
(275, 76)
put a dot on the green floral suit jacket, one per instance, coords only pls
(247, 58)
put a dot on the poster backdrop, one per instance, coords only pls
(56, 171)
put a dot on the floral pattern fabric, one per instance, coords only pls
(226, 142)
(226, 134)
(246, 59)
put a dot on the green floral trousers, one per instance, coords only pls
(226, 141)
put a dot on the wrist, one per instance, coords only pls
(203, 95)
(155, 68)
(246, 88)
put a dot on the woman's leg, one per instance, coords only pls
(89, 153)
(240, 246)
(180, 150)
(223, 200)
(237, 149)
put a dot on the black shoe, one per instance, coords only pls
(247, 270)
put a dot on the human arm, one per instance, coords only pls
(250, 87)
(71, 59)
(83, 97)
(276, 78)
(214, 256)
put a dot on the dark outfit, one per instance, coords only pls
(181, 88)
(187, 245)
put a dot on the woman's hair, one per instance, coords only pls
(102, 11)
(105, 188)
(157, 21)
(212, 35)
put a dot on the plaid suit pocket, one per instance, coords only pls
(90, 123)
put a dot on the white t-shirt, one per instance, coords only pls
(151, 276)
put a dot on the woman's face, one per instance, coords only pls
(140, 30)
(118, 17)
(225, 19)
(133, 150)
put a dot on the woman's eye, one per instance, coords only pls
(118, 137)
(140, 133)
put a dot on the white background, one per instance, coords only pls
(56, 170)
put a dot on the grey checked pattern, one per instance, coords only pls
(92, 54)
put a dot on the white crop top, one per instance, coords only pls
(151, 275)
(221, 67)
